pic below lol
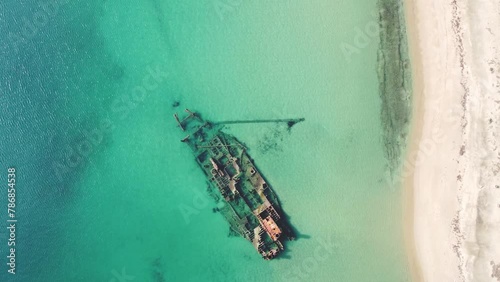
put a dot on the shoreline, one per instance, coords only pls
(415, 135)
(399, 65)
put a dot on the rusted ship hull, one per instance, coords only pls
(247, 201)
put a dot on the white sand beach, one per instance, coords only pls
(452, 172)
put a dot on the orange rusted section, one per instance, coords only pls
(271, 227)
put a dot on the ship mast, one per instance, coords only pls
(290, 121)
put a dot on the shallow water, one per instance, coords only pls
(105, 180)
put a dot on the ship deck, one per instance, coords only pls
(250, 205)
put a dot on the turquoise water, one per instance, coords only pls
(104, 179)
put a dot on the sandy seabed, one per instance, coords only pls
(452, 170)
